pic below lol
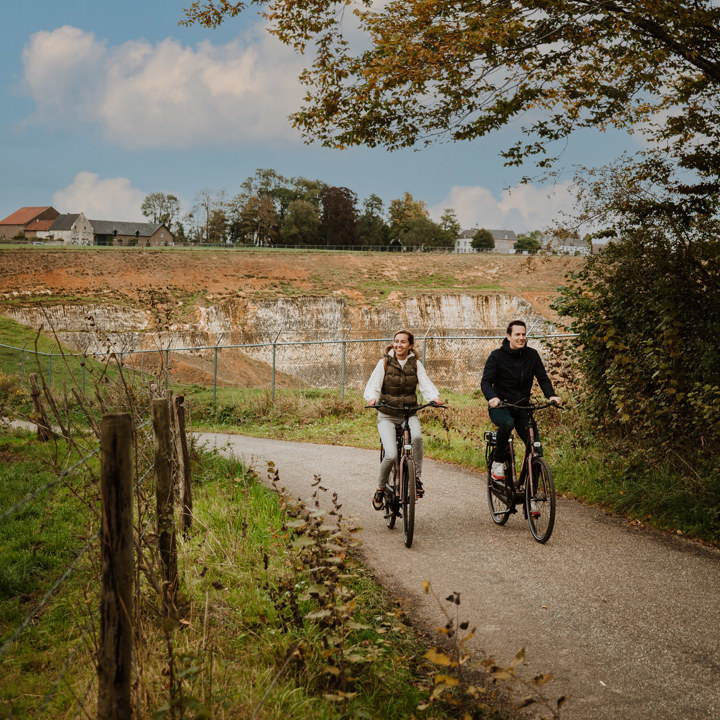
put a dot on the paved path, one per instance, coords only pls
(626, 619)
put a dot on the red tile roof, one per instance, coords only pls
(24, 215)
(39, 226)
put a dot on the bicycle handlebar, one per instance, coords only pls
(409, 409)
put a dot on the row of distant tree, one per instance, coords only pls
(273, 210)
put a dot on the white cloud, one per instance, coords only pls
(521, 208)
(107, 199)
(64, 72)
(165, 94)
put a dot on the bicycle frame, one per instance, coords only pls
(531, 452)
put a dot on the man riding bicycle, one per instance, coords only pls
(508, 377)
(394, 381)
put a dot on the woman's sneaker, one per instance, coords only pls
(378, 499)
(497, 471)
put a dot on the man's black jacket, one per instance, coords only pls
(509, 374)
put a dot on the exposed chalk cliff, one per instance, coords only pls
(91, 327)
(287, 321)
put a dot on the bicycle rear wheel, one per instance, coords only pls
(541, 518)
(407, 473)
(500, 508)
(390, 510)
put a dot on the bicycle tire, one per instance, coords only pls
(408, 490)
(500, 509)
(390, 509)
(541, 525)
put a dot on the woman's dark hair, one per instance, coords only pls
(411, 337)
(515, 322)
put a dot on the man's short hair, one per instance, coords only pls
(515, 322)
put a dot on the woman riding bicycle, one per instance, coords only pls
(394, 382)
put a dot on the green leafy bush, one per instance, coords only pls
(645, 310)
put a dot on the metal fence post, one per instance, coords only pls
(215, 369)
(22, 363)
(274, 356)
(344, 355)
(425, 342)
(167, 366)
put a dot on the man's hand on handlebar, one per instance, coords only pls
(496, 402)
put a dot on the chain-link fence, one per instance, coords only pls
(454, 363)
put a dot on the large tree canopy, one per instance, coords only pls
(434, 69)
(161, 208)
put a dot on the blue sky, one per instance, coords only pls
(105, 102)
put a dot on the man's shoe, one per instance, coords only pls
(419, 489)
(497, 471)
(378, 499)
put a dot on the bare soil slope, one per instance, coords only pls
(131, 275)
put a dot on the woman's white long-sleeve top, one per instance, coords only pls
(374, 386)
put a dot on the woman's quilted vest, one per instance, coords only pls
(400, 383)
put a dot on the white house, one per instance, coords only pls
(72, 229)
(504, 241)
(568, 246)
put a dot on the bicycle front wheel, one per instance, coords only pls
(540, 509)
(390, 509)
(407, 472)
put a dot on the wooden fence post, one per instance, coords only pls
(184, 475)
(165, 496)
(114, 663)
(43, 426)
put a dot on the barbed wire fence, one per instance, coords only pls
(125, 476)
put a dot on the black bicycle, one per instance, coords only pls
(534, 488)
(400, 492)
